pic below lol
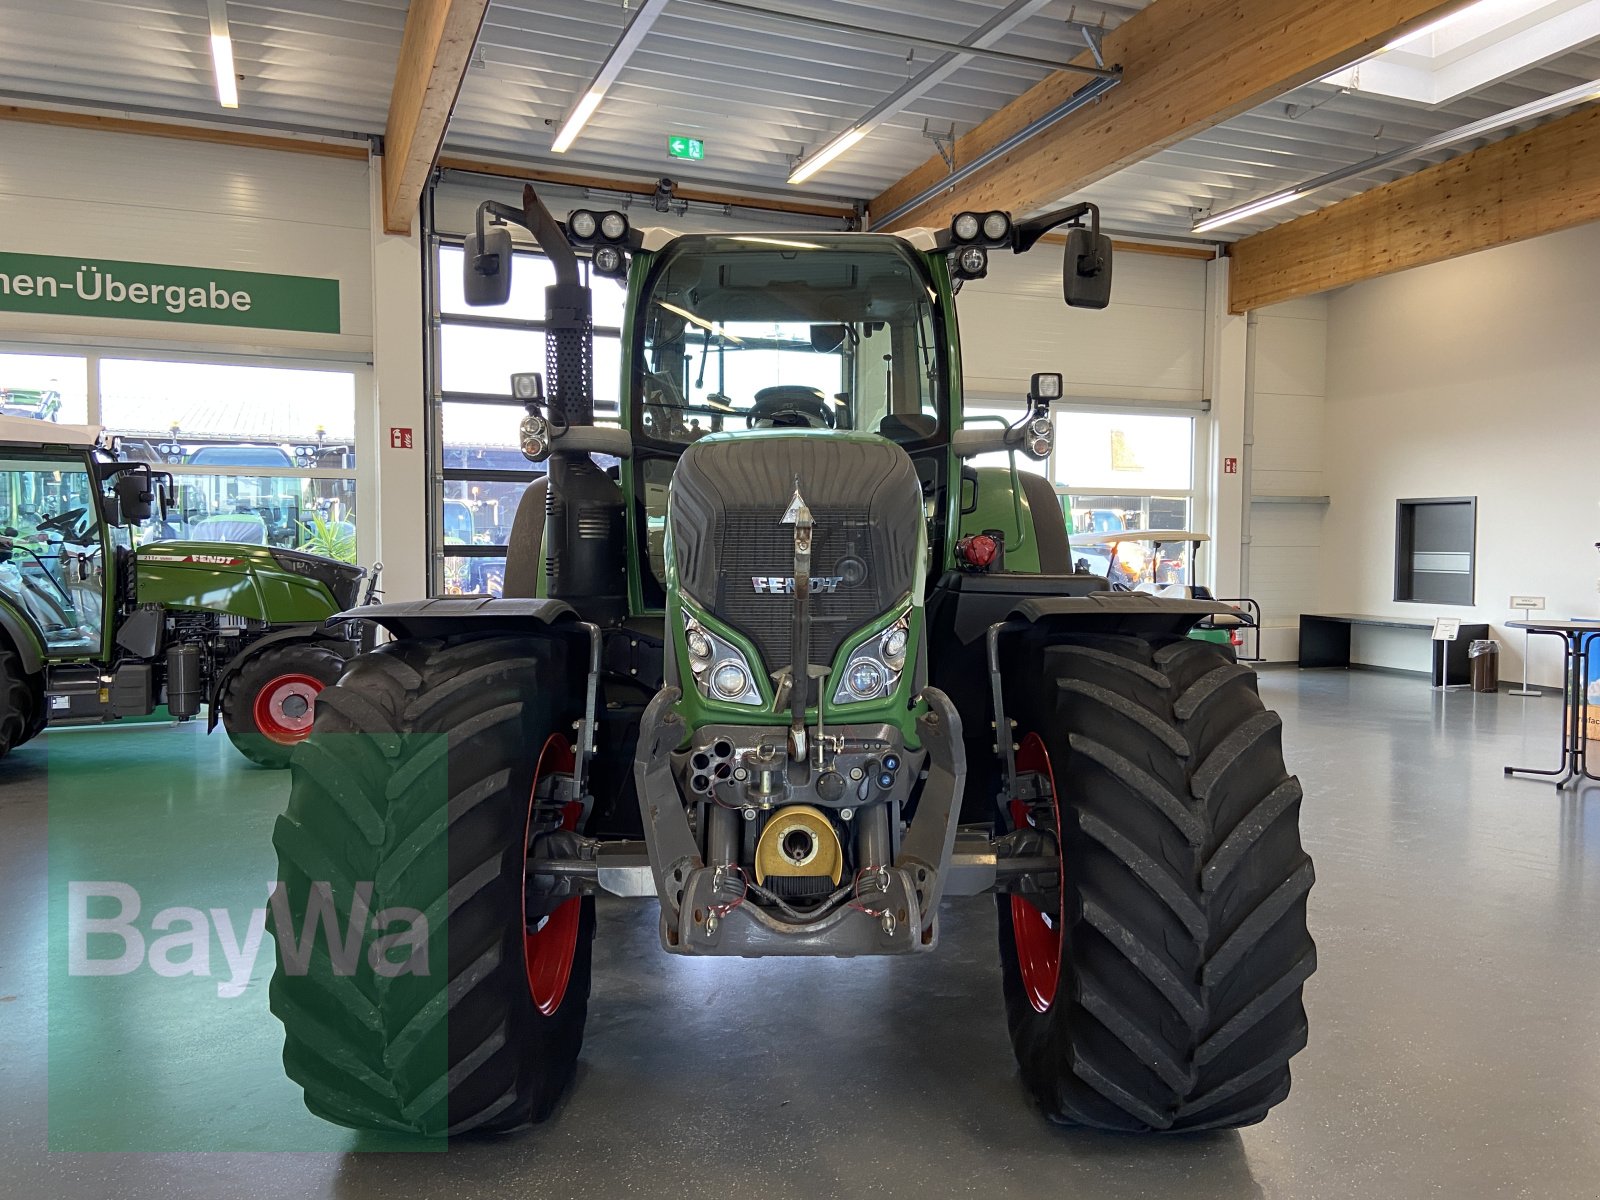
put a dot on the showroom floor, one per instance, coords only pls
(1455, 1047)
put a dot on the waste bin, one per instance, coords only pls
(1483, 656)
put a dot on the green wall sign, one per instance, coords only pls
(81, 287)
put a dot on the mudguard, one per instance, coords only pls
(1118, 612)
(445, 615)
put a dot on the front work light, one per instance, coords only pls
(965, 227)
(583, 225)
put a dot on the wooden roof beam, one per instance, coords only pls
(434, 53)
(1187, 65)
(1539, 182)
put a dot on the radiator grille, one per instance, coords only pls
(755, 544)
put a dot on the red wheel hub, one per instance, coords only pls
(286, 706)
(1038, 934)
(549, 950)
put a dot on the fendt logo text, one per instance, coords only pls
(783, 585)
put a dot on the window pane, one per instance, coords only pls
(483, 435)
(1130, 562)
(318, 515)
(1120, 452)
(610, 299)
(483, 360)
(530, 275)
(230, 415)
(47, 387)
(473, 576)
(479, 512)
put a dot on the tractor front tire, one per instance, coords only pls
(417, 784)
(21, 705)
(1160, 988)
(269, 704)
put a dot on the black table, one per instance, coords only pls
(1575, 635)
(1325, 642)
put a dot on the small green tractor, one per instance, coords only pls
(796, 670)
(93, 630)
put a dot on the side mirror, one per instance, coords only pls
(825, 339)
(134, 497)
(486, 267)
(1086, 274)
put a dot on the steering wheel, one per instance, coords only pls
(66, 524)
(791, 405)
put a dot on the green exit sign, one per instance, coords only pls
(686, 147)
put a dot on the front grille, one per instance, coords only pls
(755, 544)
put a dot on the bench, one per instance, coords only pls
(1325, 642)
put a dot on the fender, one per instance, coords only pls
(445, 615)
(1119, 612)
(294, 633)
(23, 640)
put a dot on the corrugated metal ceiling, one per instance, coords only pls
(756, 91)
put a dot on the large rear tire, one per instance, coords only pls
(21, 705)
(1160, 989)
(419, 778)
(269, 705)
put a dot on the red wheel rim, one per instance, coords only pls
(548, 951)
(1038, 937)
(286, 706)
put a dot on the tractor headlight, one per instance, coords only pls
(613, 226)
(874, 665)
(719, 668)
(997, 226)
(583, 225)
(965, 227)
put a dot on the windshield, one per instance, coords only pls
(821, 331)
(51, 561)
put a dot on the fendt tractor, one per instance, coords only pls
(796, 671)
(93, 630)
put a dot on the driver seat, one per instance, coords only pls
(784, 405)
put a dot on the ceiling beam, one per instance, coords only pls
(1539, 182)
(185, 133)
(1187, 65)
(434, 52)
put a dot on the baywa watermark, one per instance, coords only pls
(395, 939)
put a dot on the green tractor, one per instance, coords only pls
(92, 630)
(755, 670)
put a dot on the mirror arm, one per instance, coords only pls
(536, 219)
(1026, 234)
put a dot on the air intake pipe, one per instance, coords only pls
(585, 534)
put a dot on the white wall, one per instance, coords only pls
(1287, 382)
(1475, 377)
(160, 200)
(1149, 346)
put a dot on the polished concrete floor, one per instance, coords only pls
(1455, 1047)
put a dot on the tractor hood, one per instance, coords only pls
(259, 583)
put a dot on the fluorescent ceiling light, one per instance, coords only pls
(1584, 93)
(627, 42)
(809, 166)
(700, 321)
(914, 89)
(576, 120)
(222, 55)
(1230, 215)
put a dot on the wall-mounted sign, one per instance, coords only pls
(682, 146)
(400, 438)
(80, 287)
(1230, 466)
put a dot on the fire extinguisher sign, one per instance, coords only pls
(399, 438)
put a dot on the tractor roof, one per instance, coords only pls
(28, 432)
(654, 237)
